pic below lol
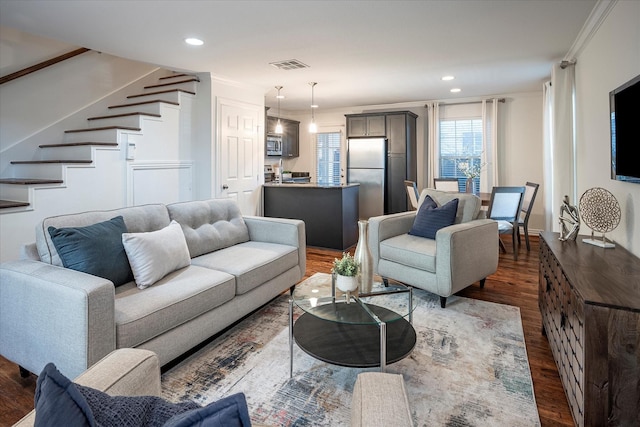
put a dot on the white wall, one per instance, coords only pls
(610, 58)
(520, 141)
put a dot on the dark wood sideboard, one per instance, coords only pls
(589, 298)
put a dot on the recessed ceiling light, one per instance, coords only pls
(447, 78)
(455, 90)
(194, 41)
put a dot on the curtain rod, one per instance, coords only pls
(468, 102)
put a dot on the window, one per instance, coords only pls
(461, 148)
(328, 155)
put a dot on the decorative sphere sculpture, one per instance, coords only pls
(601, 212)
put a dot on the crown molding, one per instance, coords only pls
(590, 27)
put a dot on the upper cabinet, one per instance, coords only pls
(290, 135)
(366, 125)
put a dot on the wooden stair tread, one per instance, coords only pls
(173, 76)
(145, 102)
(5, 204)
(136, 113)
(160, 92)
(38, 162)
(173, 83)
(79, 144)
(102, 128)
(29, 181)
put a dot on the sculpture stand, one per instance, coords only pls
(604, 243)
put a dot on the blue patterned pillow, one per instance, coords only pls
(95, 249)
(431, 218)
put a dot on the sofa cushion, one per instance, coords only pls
(252, 263)
(154, 254)
(412, 251)
(431, 217)
(137, 219)
(176, 298)
(95, 249)
(210, 225)
(468, 204)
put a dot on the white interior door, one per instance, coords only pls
(241, 150)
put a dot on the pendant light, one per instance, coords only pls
(279, 124)
(313, 128)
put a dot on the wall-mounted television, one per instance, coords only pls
(624, 103)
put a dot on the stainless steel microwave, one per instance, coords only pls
(274, 145)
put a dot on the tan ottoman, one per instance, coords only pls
(380, 399)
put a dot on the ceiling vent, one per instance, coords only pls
(289, 64)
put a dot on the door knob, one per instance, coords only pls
(225, 186)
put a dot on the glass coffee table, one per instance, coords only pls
(365, 330)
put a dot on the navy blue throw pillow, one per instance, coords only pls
(95, 249)
(58, 402)
(230, 411)
(431, 218)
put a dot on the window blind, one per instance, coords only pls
(461, 145)
(328, 155)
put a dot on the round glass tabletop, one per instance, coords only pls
(318, 296)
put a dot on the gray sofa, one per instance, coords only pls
(379, 399)
(461, 254)
(49, 313)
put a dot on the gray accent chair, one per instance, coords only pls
(461, 254)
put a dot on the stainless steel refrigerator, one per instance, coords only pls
(366, 165)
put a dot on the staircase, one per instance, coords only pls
(79, 147)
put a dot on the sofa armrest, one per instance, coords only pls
(466, 253)
(123, 372)
(384, 227)
(280, 230)
(54, 314)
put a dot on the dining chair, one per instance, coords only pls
(531, 189)
(504, 207)
(412, 193)
(446, 184)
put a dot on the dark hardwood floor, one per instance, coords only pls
(515, 283)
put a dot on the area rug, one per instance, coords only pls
(469, 368)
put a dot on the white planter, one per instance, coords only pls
(346, 283)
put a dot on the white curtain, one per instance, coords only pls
(433, 153)
(560, 153)
(489, 174)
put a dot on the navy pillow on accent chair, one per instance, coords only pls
(431, 218)
(95, 249)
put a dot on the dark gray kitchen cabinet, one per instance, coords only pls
(290, 135)
(366, 125)
(403, 164)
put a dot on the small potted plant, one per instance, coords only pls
(346, 271)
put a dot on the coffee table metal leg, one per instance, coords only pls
(291, 338)
(410, 305)
(383, 346)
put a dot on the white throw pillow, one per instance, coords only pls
(155, 254)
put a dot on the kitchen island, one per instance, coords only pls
(330, 213)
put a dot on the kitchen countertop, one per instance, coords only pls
(308, 185)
